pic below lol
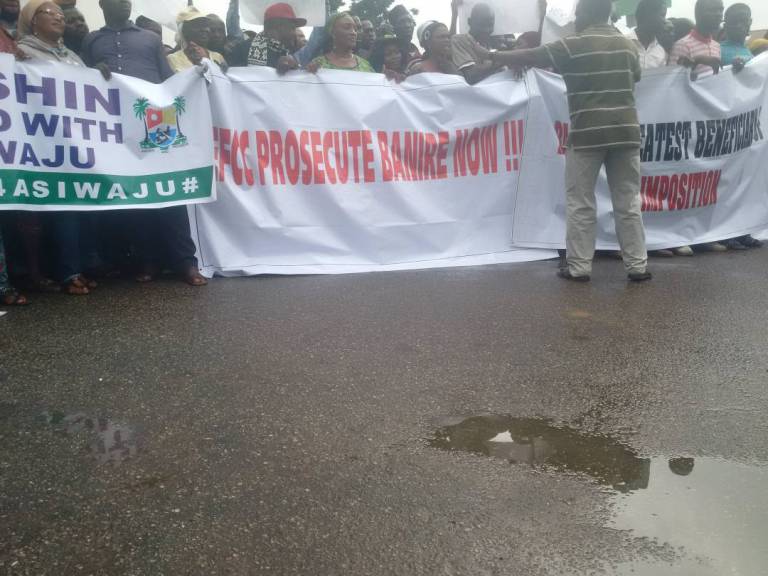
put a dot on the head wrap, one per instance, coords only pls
(425, 31)
(332, 21)
(28, 14)
(379, 47)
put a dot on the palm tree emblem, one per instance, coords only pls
(180, 104)
(140, 110)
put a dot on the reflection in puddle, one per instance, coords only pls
(540, 443)
(715, 510)
(112, 442)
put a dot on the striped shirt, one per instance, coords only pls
(693, 46)
(600, 68)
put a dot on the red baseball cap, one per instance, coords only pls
(283, 11)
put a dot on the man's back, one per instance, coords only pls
(600, 68)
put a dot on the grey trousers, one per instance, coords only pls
(582, 170)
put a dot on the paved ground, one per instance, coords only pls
(299, 425)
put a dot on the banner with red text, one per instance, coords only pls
(345, 172)
(704, 160)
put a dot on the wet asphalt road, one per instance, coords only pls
(289, 425)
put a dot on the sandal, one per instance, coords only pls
(13, 298)
(90, 284)
(194, 278)
(76, 287)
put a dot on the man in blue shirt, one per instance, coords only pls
(738, 23)
(122, 47)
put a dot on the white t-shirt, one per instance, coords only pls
(652, 57)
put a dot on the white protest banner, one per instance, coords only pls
(704, 160)
(345, 172)
(69, 140)
(512, 17)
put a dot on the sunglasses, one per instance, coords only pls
(51, 12)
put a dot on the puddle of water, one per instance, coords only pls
(716, 511)
(539, 443)
(110, 441)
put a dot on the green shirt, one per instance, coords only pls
(600, 68)
(361, 66)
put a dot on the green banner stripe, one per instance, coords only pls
(64, 189)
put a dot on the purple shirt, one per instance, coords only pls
(130, 51)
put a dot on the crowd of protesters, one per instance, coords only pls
(68, 251)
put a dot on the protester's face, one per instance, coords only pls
(49, 21)
(481, 26)
(301, 39)
(9, 7)
(709, 15)
(404, 27)
(218, 31)
(368, 35)
(393, 58)
(198, 31)
(345, 33)
(737, 26)
(75, 25)
(116, 9)
(286, 33)
(440, 43)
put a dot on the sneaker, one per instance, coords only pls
(664, 253)
(683, 251)
(750, 242)
(640, 276)
(716, 247)
(565, 274)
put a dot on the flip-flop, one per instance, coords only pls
(76, 287)
(13, 298)
(194, 278)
